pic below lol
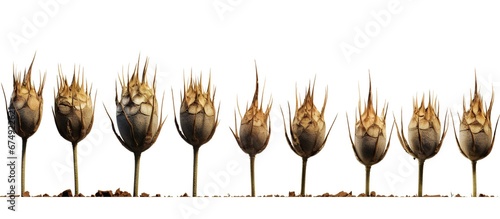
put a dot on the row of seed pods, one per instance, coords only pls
(139, 123)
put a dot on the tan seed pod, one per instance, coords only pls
(137, 112)
(198, 116)
(476, 137)
(255, 127)
(370, 133)
(308, 128)
(26, 103)
(74, 110)
(424, 131)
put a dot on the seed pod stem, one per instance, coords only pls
(137, 158)
(367, 180)
(75, 166)
(195, 169)
(420, 176)
(252, 174)
(23, 166)
(474, 182)
(303, 185)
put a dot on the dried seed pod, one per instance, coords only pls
(307, 130)
(25, 110)
(476, 136)
(137, 116)
(198, 118)
(73, 113)
(370, 138)
(424, 134)
(27, 103)
(255, 129)
(74, 110)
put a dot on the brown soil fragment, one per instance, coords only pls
(291, 194)
(66, 193)
(105, 193)
(157, 195)
(185, 195)
(120, 193)
(144, 194)
(26, 194)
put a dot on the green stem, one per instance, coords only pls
(367, 181)
(303, 185)
(474, 182)
(23, 166)
(75, 166)
(137, 157)
(420, 176)
(252, 173)
(195, 169)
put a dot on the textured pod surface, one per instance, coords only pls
(198, 116)
(475, 136)
(424, 130)
(370, 136)
(137, 112)
(74, 110)
(254, 130)
(308, 129)
(27, 104)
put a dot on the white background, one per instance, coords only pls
(422, 46)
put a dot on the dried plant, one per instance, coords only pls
(137, 116)
(73, 113)
(25, 111)
(198, 118)
(307, 130)
(424, 134)
(255, 129)
(475, 139)
(370, 138)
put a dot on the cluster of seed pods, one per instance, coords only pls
(139, 120)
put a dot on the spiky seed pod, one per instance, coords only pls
(137, 112)
(370, 138)
(308, 129)
(255, 129)
(424, 131)
(27, 103)
(476, 137)
(74, 110)
(198, 118)
(137, 115)
(424, 134)
(25, 110)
